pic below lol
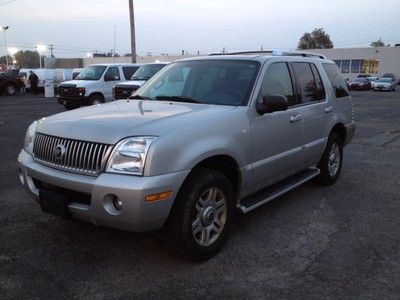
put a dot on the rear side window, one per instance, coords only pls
(320, 91)
(129, 71)
(306, 82)
(335, 77)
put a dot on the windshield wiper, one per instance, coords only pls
(140, 97)
(177, 99)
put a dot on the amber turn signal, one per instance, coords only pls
(159, 196)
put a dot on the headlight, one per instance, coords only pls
(29, 137)
(129, 156)
(81, 91)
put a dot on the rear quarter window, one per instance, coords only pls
(337, 81)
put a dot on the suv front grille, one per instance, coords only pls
(66, 90)
(124, 92)
(70, 155)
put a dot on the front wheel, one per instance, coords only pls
(202, 214)
(96, 99)
(331, 161)
(10, 89)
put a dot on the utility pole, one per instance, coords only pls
(51, 50)
(133, 36)
(4, 29)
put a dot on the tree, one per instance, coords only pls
(378, 43)
(28, 59)
(317, 39)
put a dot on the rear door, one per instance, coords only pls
(314, 108)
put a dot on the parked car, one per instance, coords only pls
(389, 75)
(363, 76)
(372, 80)
(385, 84)
(93, 85)
(205, 137)
(10, 83)
(359, 84)
(124, 89)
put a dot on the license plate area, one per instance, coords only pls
(54, 202)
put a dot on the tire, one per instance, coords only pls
(331, 161)
(96, 99)
(10, 89)
(201, 216)
(69, 106)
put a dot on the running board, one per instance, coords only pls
(251, 202)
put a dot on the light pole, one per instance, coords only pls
(4, 28)
(40, 49)
(12, 51)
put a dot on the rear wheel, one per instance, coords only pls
(202, 214)
(331, 161)
(10, 89)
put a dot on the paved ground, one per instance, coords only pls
(341, 241)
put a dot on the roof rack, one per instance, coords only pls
(280, 53)
(303, 54)
(242, 52)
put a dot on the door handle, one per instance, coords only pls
(295, 118)
(328, 109)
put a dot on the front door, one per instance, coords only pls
(277, 136)
(111, 77)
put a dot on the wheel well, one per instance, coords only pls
(224, 164)
(97, 94)
(340, 129)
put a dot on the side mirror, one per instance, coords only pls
(271, 103)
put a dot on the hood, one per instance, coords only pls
(132, 83)
(79, 83)
(111, 122)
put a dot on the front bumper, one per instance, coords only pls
(81, 100)
(136, 214)
(382, 88)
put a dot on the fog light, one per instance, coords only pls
(117, 202)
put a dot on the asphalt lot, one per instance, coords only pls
(341, 241)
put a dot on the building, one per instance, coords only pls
(374, 61)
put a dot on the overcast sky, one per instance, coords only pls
(76, 27)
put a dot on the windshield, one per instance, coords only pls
(147, 71)
(223, 82)
(385, 80)
(360, 80)
(92, 73)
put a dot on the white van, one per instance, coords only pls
(39, 72)
(94, 84)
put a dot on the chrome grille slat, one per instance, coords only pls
(79, 157)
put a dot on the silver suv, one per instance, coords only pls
(201, 139)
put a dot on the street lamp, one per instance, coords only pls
(4, 28)
(41, 49)
(12, 51)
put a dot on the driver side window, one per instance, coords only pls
(113, 73)
(277, 81)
